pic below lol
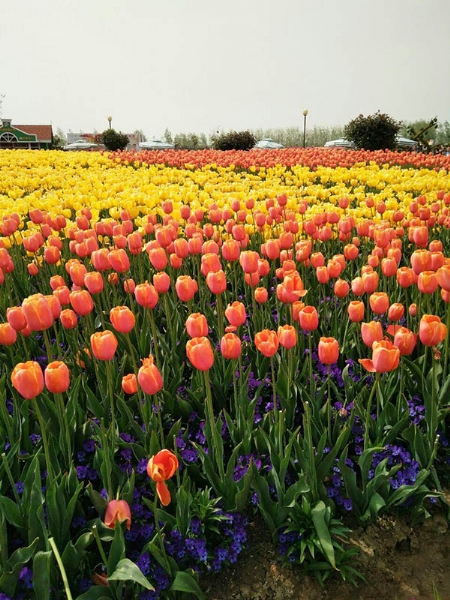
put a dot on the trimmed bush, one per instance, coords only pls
(234, 140)
(375, 132)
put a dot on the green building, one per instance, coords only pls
(33, 137)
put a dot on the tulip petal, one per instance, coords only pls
(367, 364)
(163, 493)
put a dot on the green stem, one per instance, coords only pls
(11, 480)
(107, 461)
(99, 545)
(61, 568)
(50, 472)
(368, 417)
(212, 424)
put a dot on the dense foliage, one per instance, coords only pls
(374, 132)
(114, 140)
(234, 140)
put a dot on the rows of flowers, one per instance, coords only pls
(185, 344)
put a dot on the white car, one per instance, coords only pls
(81, 145)
(339, 143)
(156, 145)
(268, 143)
(402, 142)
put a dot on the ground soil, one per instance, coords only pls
(398, 561)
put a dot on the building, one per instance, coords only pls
(33, 137)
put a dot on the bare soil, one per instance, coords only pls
(398, 561)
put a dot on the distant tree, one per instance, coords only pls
(422, 130)
(235, 140)
(443, 133)
(114, 140)
(59, 139)
(203, 142)
(167, 137)
(181, 140)
(140, 134)
(375, 132)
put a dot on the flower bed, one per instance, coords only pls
(186, 344)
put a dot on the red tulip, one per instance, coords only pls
(396, 312)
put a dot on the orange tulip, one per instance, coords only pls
(287, 336)
(57, 377)
(117, 511)
(197, 325)
(160, 468)
(443, 277)
(216, 281)
(149, 377)
(308, 318)
(200, 353)
(230, 346)
(404, 339)
(396, 312)
(389, 266)
(129, 383)
(161, 281)
(267, 342)
(427, 282)
(371, 332)
(370, 281)
(146, 295)
(341, 288)
(16, 317)
(328, 350)
(261, 295)
(385, 358)
(379, 302)
(100, 259)
(104, 345)
(420, 261)
(235, 313)
(210, 263)
(28, 379)
(358, 286)
(158, 258)
(186, 287)
(322, 275)
(68, 318)
(230, 250)
(249, 261)
(8, 335)
(81, 302)
(122, 319)
(94, 282)
(119, 260)
(291, 289)
(405, 277)
(77, 273)
(431, 331)
(356, 311)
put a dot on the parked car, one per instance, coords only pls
(402, 142)
(155, 145)
(268, 143)
(81, 145)
(339, 143)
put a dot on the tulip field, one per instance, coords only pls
(190, 339)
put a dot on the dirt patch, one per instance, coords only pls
(399, 562)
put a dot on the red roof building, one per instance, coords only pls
(33, 137)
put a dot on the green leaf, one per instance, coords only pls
(117, 550)
(185, 582)
(12, 512)
(318, 517)
(96, 592)
(41, 574)
(129, 571)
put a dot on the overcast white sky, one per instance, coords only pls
(200, 66)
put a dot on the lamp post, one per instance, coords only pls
(305, 113)
(109, 121)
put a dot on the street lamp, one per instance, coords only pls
(305, 113)
(109, 121)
